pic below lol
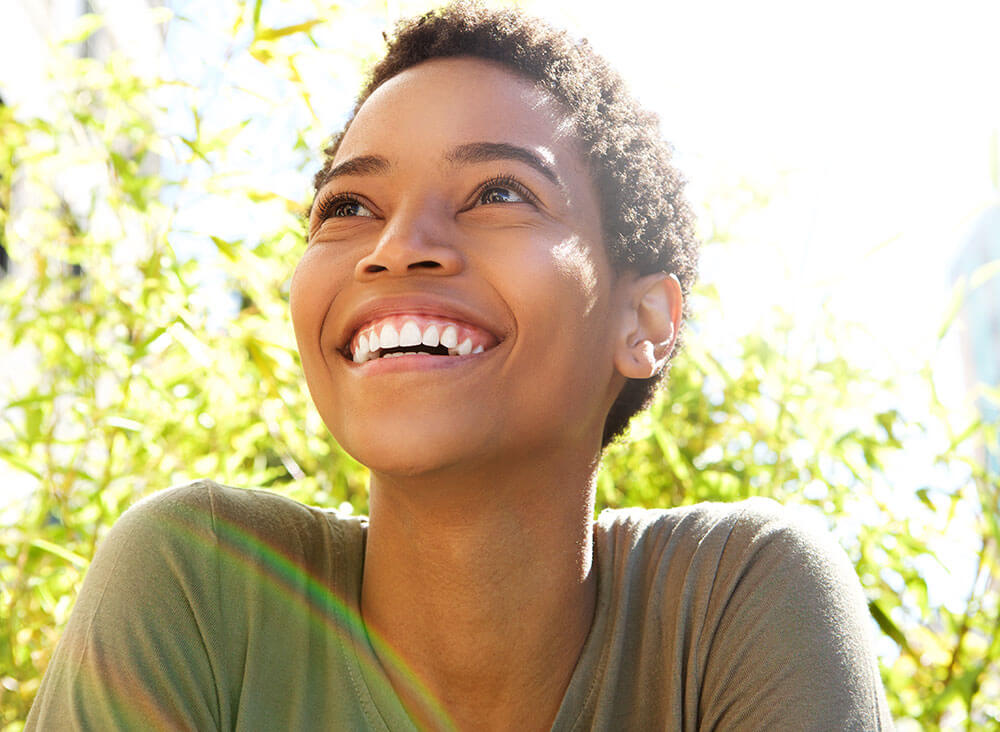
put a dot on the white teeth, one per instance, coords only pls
(409, 335)
(369, 344)
(389, 338)
(431, 337)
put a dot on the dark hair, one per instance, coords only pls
(646, 220)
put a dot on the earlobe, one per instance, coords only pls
(651, 315)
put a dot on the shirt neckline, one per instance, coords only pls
(382, 705)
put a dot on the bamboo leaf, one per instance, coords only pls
(888, 627)
(272, 34)
(983, 274)
(47, 546)
(955, 303)
(84, 27)
(256, 15)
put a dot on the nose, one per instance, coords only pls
(412, 242)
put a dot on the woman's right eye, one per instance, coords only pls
(347, 207)
(342, 206)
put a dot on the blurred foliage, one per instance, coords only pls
(122, 377)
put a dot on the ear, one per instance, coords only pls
(650, 317)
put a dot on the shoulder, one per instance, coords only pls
(211, 498)
(753, 558)
(205, 506)
(698, 518)
(764, 607)
(218, 533)
(727, 534)
(204, 578)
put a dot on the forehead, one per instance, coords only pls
(447, 102)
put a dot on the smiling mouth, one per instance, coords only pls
(411, 335)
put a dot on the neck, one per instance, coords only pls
(482, 583)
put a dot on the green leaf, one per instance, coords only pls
(955, 303)
(972, 430)
(984, 273)
(33, 423)
(924, 495)
(888, 627)
(226, 248)
(194, 146)
(256, 15)
(271, 34)
(84, 27)
(32, 400)
(130, 425)
(75, 559)
(19, 463)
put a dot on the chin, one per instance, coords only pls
(408, 448)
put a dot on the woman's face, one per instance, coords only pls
(459, 228)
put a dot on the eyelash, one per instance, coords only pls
(506, 181)
(324, 209)
(326, 205)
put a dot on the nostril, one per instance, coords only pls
(425, 264)
(375, 269)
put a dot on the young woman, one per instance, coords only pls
(494, 282)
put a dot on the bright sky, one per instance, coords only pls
(876, 116)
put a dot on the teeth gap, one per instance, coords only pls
(432, 350)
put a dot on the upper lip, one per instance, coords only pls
(375, 307)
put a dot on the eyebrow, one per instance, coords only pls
(472, 152)
(484, 152)
(361, 165)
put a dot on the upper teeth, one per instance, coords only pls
(409, 335)
(371, 340)
(388, 338)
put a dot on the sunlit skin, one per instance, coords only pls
(478, 560)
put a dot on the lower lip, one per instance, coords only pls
(414, 362)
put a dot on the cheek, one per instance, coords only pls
(568, 284)
(309, 296)
(298, 298)
(580, 269)
(561, 301)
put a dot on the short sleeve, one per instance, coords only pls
(134, 654)
(790, 647)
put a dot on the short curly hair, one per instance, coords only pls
(646, 220)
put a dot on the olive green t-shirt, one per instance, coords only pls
(212, 608)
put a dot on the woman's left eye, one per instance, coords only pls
(502, 190)
(500, 194)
